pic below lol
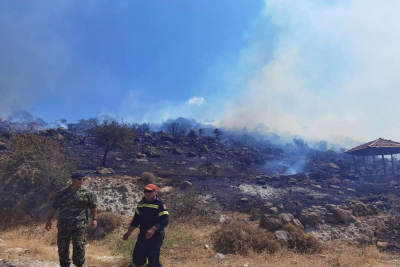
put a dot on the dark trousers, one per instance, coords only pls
(78, 237)
(147, 251)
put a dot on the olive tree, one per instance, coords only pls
(111, 135)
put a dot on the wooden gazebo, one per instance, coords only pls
(379, 146)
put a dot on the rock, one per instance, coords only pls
(342, 216)
(280, 206)
(177, 151)
(273, 210)
(219, 256)
(124, 188)
(101, 170)
(186, 184)
(268, 205)
(286, 217)
(152, 152)
(191, 154)
(334, 186)
(316, 185)
(283, 237)
(292, 181)
(271, 222)
(206, 247)
(334, 166)
(382, 245)
(18, 251)
(297, 223)
(140, 155)
(244, 200)
(310, 218)
(3, 146)
(99, 233)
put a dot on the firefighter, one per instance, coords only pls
(151, 216)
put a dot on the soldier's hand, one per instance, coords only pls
(48, 226)
(150, 233)
(126, 236)
(94, 224)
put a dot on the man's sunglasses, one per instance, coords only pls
(81, 179)
(148, 191)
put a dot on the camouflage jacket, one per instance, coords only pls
(73, 206)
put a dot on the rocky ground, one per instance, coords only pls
(320, 192)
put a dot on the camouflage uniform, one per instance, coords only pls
(72, 223)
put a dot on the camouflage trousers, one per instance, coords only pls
(78, 237)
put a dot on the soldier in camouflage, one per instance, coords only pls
(73, 203)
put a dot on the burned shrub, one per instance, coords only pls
(302, 242)
(109, 221)
(182, 203)
(165, 174)
(239, 237)
(147, 178)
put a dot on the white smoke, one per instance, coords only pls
(332, 71)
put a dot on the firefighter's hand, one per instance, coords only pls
(150, 233)
(94, 224)
(126, 236)
(48, 226)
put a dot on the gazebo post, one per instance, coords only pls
(355, 164)
(392, 164)
(384, 165)
(365, 166)
(373, 157)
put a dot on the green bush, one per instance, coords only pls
(35, 169)
(240, 237)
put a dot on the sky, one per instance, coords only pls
(322, 69)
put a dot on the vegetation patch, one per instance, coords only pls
(240, 237)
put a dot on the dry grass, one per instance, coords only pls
(185, 246)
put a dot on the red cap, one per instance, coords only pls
(151, 187)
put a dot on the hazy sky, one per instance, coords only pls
(323, 69)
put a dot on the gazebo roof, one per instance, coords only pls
(379, 146)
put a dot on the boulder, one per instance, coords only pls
(310, 218)
(273, 210)
(286, 217)
(382, 245)
(271, 222)
(283, 237)
(185, 185)
(297, 223)
(342, 216)
(177, 151)
(98, 233)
